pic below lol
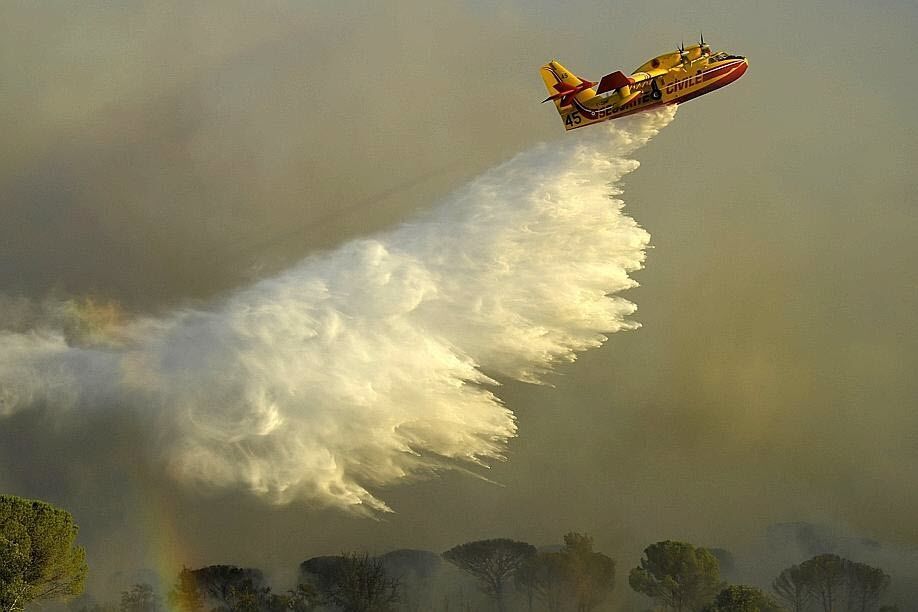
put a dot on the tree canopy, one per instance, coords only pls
(678, 575)
(742, 598)
(222, 582)
(826, 574)
(865, 586)
(545, 576)
(492, 562)
(592, 573)
(139, 598)
(793, 587)
(576, 573)
(828, 580)
(39, 559)
(352, 582)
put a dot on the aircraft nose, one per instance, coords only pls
(742, 68)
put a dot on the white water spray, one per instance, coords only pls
(364, 366)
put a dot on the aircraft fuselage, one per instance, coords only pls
(671, 78)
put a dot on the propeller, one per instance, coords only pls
(705, 49)
(683, 54)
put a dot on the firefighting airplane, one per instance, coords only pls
(671, 78)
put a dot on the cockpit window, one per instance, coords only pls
(723, 56)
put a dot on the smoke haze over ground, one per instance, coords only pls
(160, 159)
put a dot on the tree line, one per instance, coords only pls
(828, 580)
(40, 561)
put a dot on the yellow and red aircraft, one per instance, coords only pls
(671, 78)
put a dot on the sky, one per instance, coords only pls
(161, 156)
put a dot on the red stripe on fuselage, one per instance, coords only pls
(721, 70)
(736, 71)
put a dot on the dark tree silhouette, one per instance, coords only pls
(320, 573)
(545, 576)
(677, 575)
(249, 597)
(741, 598)
(353, 582)
(592, 574)
(866, 584)
(38, 557)
(526, 579)
(228, 586)
(139, 598)
(576, 573)
(406, 561)
(416, 571)
(304, 598)
(827, 575)
(361, 584)
(793, 588)
(492, 562)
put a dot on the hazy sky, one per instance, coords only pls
(160, 155)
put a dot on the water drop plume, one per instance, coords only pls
(376, 362)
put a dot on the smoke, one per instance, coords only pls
(376, 362)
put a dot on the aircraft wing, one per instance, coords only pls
(617, 79)
(649, 74)
(612, 81)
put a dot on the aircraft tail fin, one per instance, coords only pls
(564, 87)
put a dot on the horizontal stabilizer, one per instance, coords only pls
(564, 86)
(613, 81)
